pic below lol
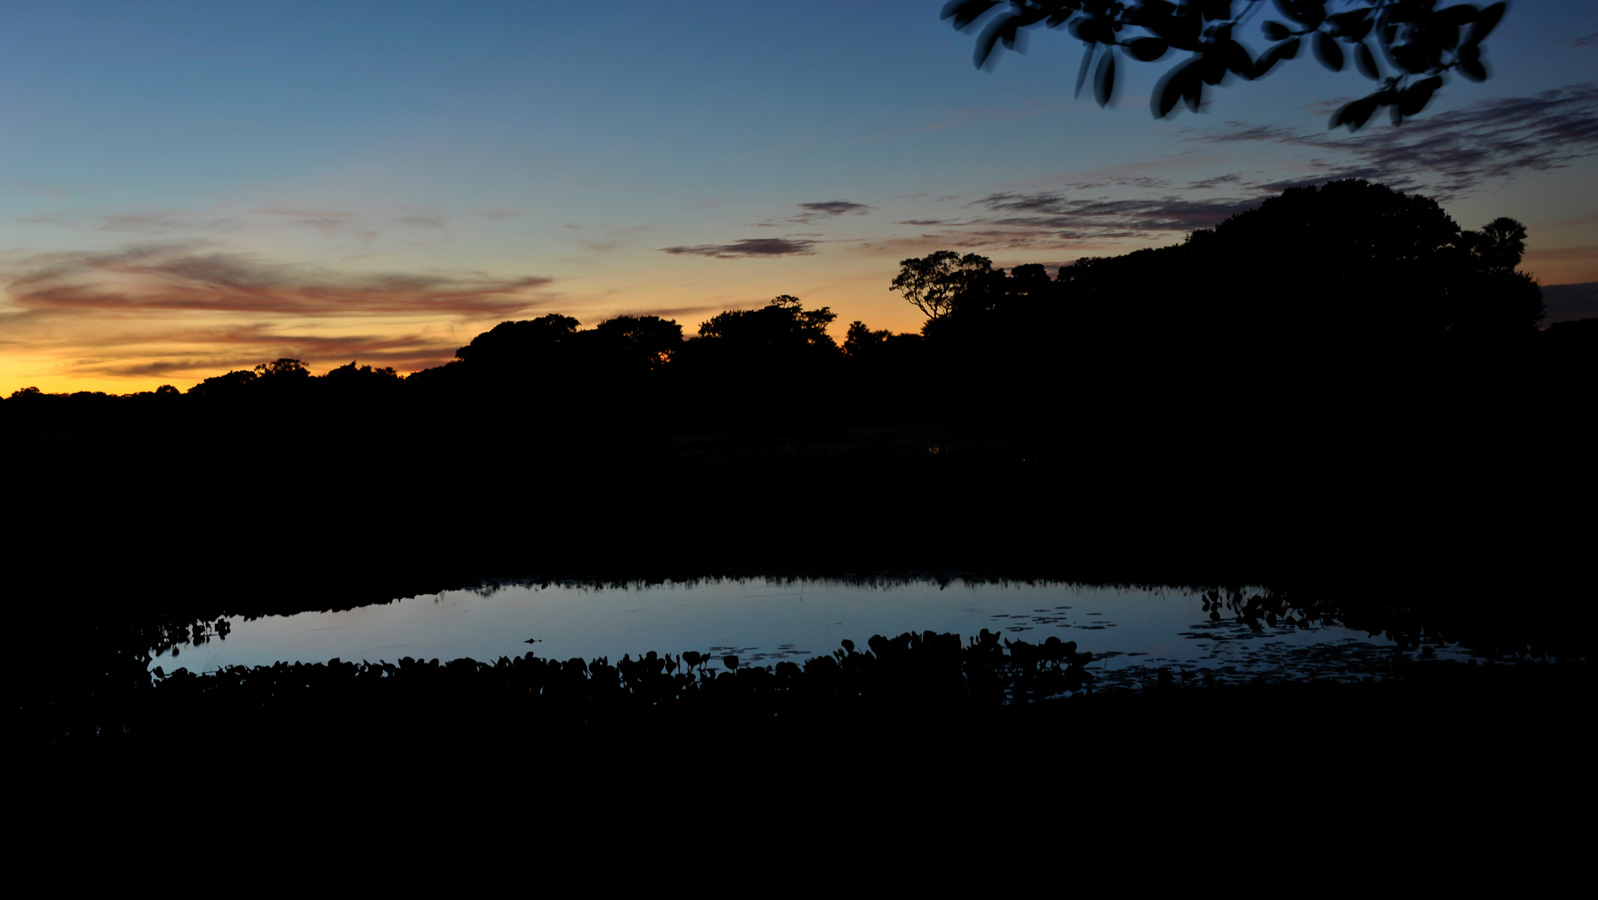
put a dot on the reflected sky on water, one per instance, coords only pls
(1131, 631)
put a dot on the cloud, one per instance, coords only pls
(326, 221)
(330, 222)
(248, 346)
(611, 238)
(670, 312)
(143, 222)
(46, 219)
(836, 207)
(136, 222)
(818, 210)
(427, 220)
(747, 248)
(1076, 217)
(193, 276)
(1450, 153)
(1204, 184)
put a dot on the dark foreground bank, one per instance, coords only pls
(1471, 531)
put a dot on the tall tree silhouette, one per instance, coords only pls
(933, 283)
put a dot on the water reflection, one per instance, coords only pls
(1134, 633)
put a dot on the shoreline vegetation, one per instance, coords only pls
(1298, 399)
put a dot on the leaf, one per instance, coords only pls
(1170, 88)
(1474, 69)
(1286, 9)
(1456, 16)
(1414, 98)
(1327, 51)
(1147, 49)
(1001, 28)
(1268, 59)
(1446, 36)
(1365, 61)
(1182, 31)
(1486, 22)
(1087, 63)
(1104, 78)
(1309, 13)
(1355, 114)
(1194, 95)
(1276, 31)
(1237, 59)
(964, 12)
(1354, 25)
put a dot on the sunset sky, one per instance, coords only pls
(192, 187)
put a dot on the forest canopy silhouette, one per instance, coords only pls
(1349, 296)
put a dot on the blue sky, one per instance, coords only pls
(187, 188)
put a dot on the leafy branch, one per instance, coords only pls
(1407, 47)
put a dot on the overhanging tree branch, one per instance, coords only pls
(1406, 47)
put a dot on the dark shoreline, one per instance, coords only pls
(1423, 528)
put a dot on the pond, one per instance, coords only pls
(1132, 632)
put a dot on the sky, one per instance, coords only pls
(188, 188)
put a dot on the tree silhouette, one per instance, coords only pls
(934, 282)
(861, 341)
(224, 386)
(509, 344)
(781, 328)
(1500, 244)
(283, 369)
(1406, 47)
(646, 342)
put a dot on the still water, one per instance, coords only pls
(1132, 632)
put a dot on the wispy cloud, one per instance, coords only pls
(1076, 216)
(609, 238)
(246, 347)
(195, 276)
(1073, 216)
(671, 312)
(748, 248)
(818, 211)
(131, 221)
(1453, 152)
(143, 222)
(836, 207)
(330, 222)
(424, 220)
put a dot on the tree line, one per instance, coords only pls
(1347, 296)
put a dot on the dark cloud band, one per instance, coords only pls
(747, 248)
(836, 207)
